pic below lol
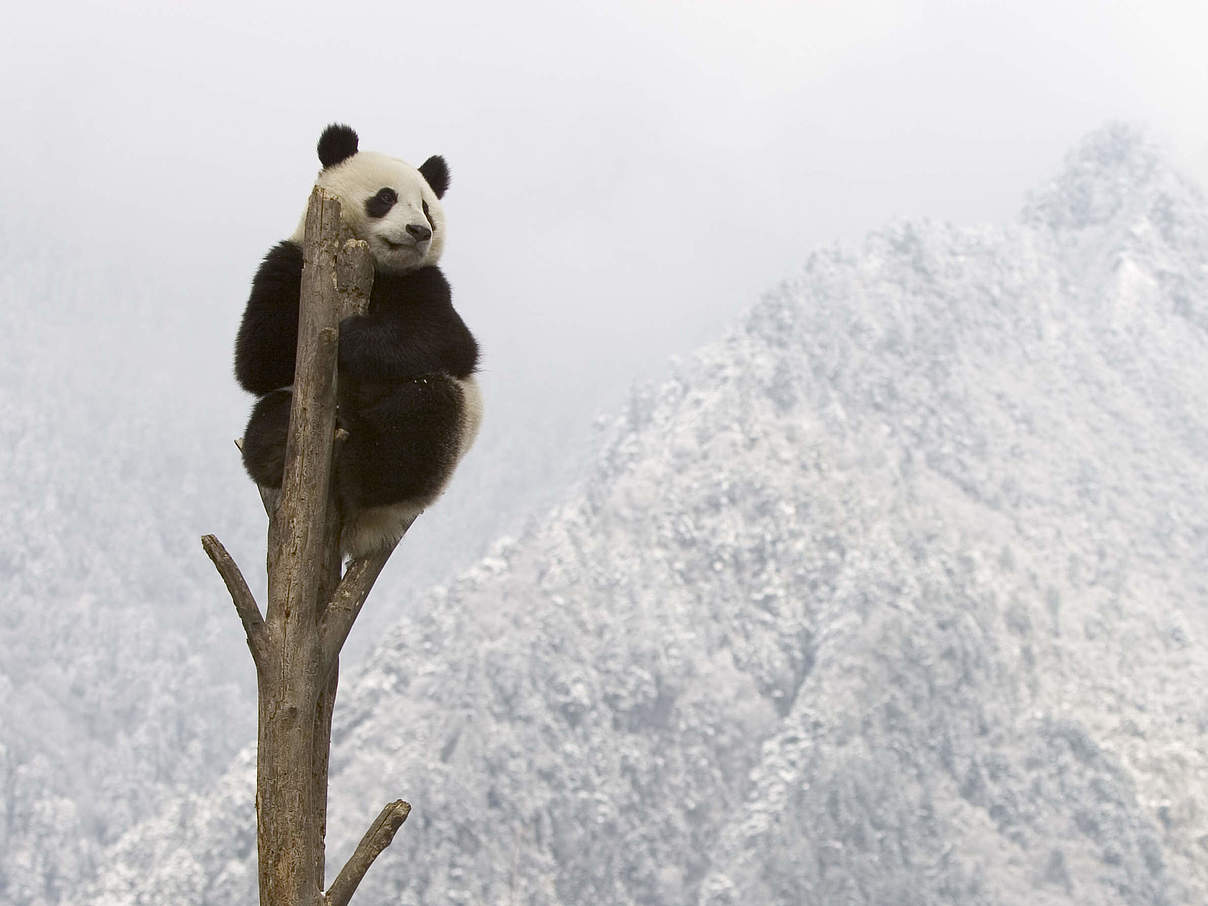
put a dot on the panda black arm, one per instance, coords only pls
(268, 337)
(411, 329)
(375, 348)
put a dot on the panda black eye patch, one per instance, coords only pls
(428, 216)
(381, 203)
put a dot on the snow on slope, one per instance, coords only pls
(894, 595)
(106, 699)
(123, 675)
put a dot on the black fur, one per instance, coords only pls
(436, 171)
(264, 438)
(397, 364)
(337, 143)
(268, 336)
(402, 439)
(381, 203)
(410, 329)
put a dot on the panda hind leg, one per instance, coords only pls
(399, 455)
(404, 446)
(264, 438)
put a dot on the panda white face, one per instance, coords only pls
(390, 205)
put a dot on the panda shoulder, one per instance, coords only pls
(282, 265)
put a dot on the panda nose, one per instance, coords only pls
(419, 231)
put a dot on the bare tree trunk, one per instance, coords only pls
(296, 645)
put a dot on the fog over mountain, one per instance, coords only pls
(895, 594)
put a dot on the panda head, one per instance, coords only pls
(385, 201)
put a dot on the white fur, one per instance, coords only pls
(471, 414)
(377, 528)
(358, 179)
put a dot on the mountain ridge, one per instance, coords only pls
(887, 596)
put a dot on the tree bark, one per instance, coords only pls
(290, 807)
(296, 644)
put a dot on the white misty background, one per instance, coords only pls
(891, 593)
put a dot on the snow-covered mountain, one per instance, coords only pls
(105, 699)
(894, 595)
(123, 677)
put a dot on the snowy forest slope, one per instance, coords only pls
(124, 678)
(105, 698)
(893, 595)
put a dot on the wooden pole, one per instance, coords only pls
(296, 644)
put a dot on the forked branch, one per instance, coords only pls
(376, 839)
(345, 605)
(241, 595)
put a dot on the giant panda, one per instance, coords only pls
(407, 394)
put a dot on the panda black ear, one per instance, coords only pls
(337, 143)
(436, 171)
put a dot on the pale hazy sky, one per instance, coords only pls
(627, 177)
